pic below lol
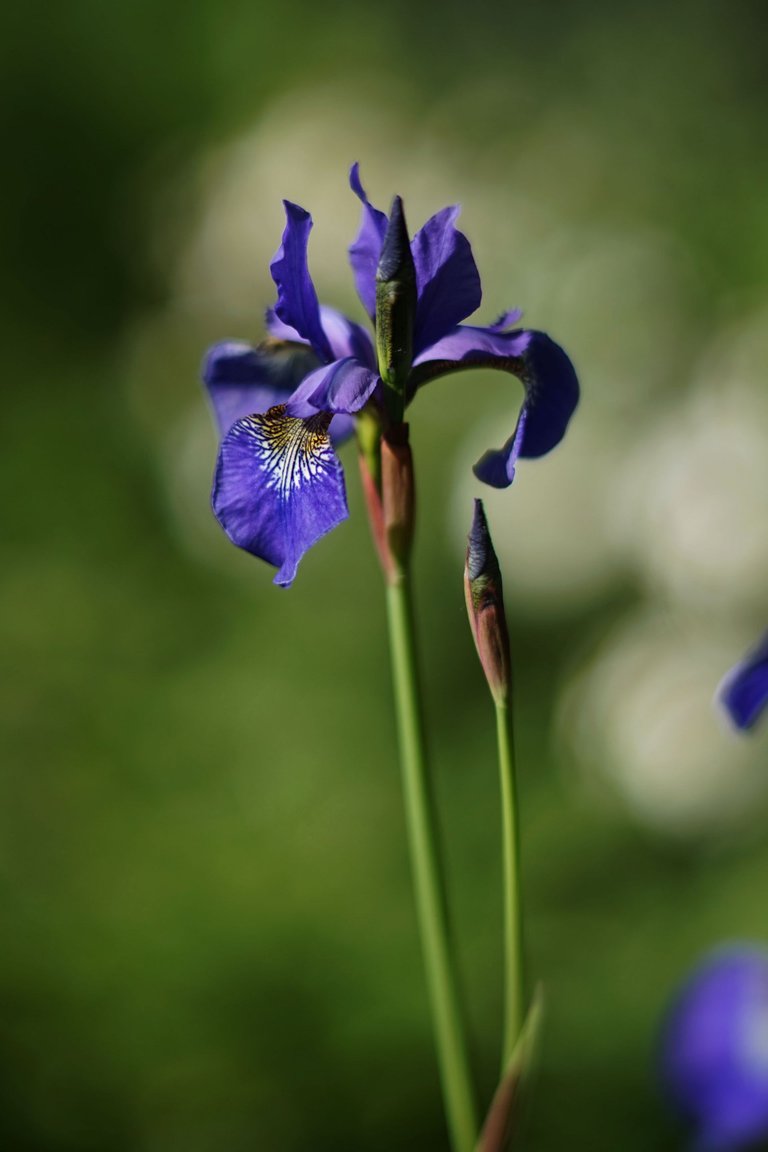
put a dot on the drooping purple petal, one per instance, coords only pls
(714, 1050)
(551, 394)
(496, 467)
(546, 373)
(241, 379)
(744, 690)
(365, 252)
(447, 279)
(278, 487)
(344, 386)
(297, 304)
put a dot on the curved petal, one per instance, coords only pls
(278, 487)
(297, 304)
(544, 369)
(447, 279)
(343, 387)
(279, 330)
(744, 690)
(496, 467)
(342, 428)
(241, 379)
(470, 347)
(506, 320)
(365, 252)
(345, 337)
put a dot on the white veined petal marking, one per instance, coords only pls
(292, 451)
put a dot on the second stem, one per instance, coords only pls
(431, 903)
(514, 982)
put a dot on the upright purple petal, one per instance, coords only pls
(714, 1050)
(545, 371)
(447, 279)
(297, 304)
(279, 330)
(365, 252)
(241, 379)
(278, 487)
(345, 337)
(744, 690)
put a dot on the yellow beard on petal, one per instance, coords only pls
(293, 451)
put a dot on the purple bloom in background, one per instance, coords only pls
(715, 1050)
(744, 690)
(278, 485)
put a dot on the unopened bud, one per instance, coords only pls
(485, 606)
(395, 308)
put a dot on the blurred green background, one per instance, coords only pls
(209, 941)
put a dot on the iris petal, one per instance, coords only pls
(496, 467)
(345, 337)
(241, 379)
(447, 279)
(344, 386)
(365, 252)
(278, 487)
(297, 304)
(469, 347)
(744, 691)
(506, 320)
(545, 371)
(713, 1060)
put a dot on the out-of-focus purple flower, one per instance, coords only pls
(278, 485)
(744, 690)
(714, 1058)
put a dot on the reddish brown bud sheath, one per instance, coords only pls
(485, 606)
(390, 499)
(397, 493)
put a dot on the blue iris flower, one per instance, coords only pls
(744, 690)
(282, 407)
(714, 1050)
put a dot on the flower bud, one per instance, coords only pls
(395, 309)
(485, 606)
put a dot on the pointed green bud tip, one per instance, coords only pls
(396, 260)
(485, 605)
(395, 310)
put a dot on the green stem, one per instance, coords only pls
(458, 1093)
(514, 980)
